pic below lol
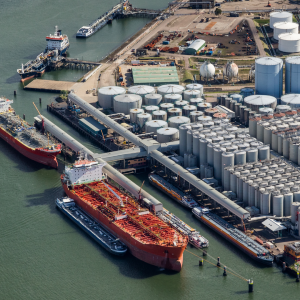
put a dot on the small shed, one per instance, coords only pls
(92, 126)
(274, 226)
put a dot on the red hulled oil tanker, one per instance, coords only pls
(25, 138)
(148, 238)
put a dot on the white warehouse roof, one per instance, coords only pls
(197, 44)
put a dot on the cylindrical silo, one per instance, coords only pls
(293, 155)
(289, 42)
(166, 135)
(232, 105)
(263, 152)
(196, 147)
(188, 94)
(142, 119)
(203, 119)
(106, 95)
(186, 110)
(141, 90)
(211, 111)
(174, 112)
(274, 144)
(291, 100)
(240, 180)
(194, 115)
(245, 191)
(195, 86)
(170, 89)
(239, 157)
(196, 101)
(134, 112)
(253, 125)
(154, 125)
(251, 155)
(203, 151)
(175, 122)
(294, 212)
(172, 98)
(203, 106)
(151, 108)
(166, 106)
(265, 203)
(181, 103)
(287, 203)
(227, 161)
(245, 92)
(210, 154)
(125, 102)
(286, 148)
(189, 141)
(277, 201)
(218, 164)
(160, 115)
(192, 161)
(280, 144)
(209, 172)
(268, 134)
(237, 97)
(292, 73)
(183, 129)
(285, 27)
(247, 116)
(153, 99)
(268, 77)
(280, 16)
(255, 102)
(233, 181)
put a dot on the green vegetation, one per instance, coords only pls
(64, 95)
(218, 11)
(181, 62)
(262, 21)
(294, 19)
(261, 37)
(187, 77)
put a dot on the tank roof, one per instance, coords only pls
(289, 36)
(260, 99)
(286, 25)
(291, 98)
(293, 60)
(268, 61)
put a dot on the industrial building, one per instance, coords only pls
(199, 3)
(92, 126)
(194, 47)
(155, 76)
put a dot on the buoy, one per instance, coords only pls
(297, 278)
(15, 93)
(23, 116)
(40, 100)
(225, 272)
(250, 284)
(201, 262)
(219, 264)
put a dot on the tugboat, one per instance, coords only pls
(57, 46)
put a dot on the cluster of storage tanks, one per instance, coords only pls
(285, 31)
(269, 76)
(280, 129)
(270, 186)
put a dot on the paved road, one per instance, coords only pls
(256, 37)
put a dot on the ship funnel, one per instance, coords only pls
(22, 68)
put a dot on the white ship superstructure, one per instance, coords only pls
(57, 41)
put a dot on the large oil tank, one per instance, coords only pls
(106, 95)
(203, 106)
(134, 112)
(172, 98)
(227, 161)
(186, 110)
(194, 115)
(124, 103)
(207, 70)
(160, 115)
(257, 101)
(166, 135)
(174, 112)
(189, 94)
(196, 101)
(280, 16)
(141, 90)
(292, 74)
(153, 99)
(142, 119)
(183, 129)
(181, 103)
(170, 89)
(285, 27)
(277, 204)
(166, 106)
(291, 100)
(175, 122)
(154, 125)
(230, 70)
(289, 42)
(269, 76)
(151, 108)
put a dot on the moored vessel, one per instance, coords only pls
(169, 189)
(233, 235)
(91, 227)
(147, 237)
(26, 139)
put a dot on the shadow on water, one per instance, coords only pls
(14, 79)
(128, 265)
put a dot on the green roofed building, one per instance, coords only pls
(194, 47)
(155, 76)
(92, 126)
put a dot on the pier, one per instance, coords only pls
(49, 85)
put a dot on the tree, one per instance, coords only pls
(218, 11)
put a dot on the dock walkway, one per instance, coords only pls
(49, 85)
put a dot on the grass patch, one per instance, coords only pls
(187, 77)
(181, 62)
(262, 21)
(262, 38)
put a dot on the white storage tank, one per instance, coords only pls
(289, 42)
(186, 110)
(151, 108)
(284, 27)
(142, 119)
(166, 135)
(124, 103)
(196, 101)
(207, 70)
(134, 112)
(106, 95)
(255, 102)
(170, 89)
(204, 118)
(172, 98)
(160, 115)
(153, 99)
(181, 103)
(291, 100)
(174, 112)
(282, 108)
(280, 16)
(237, 97)
(194, 115)
(141, 90)
(175, 122)
(269, 76)
(203, 106)
(195, 86)
(166, 106)
(292, 74)
(189, 94)
(230, 70)
(154, 125)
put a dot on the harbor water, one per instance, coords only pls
(43, 255)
